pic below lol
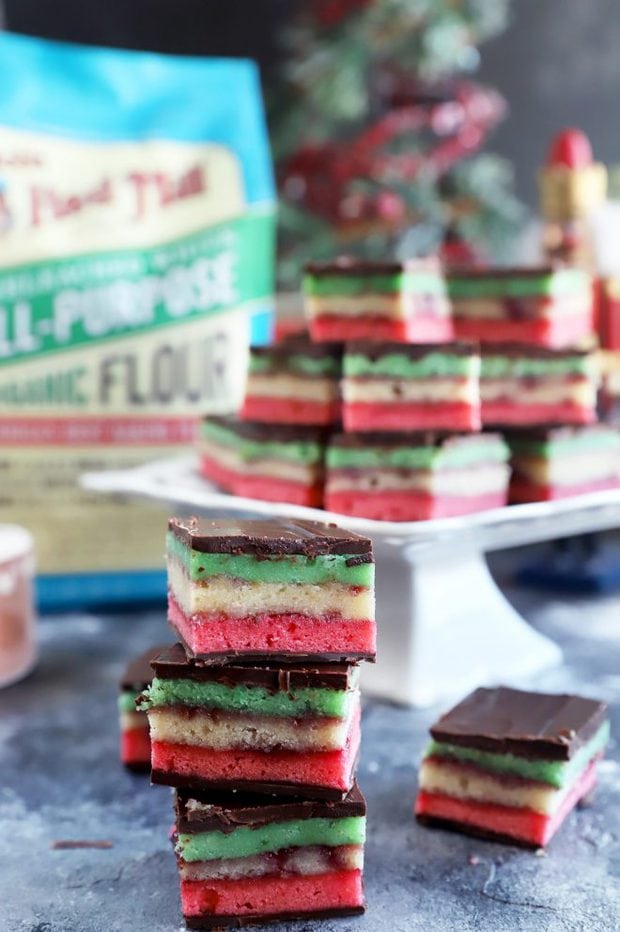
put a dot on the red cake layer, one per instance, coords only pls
(267, 488)
(268, 896)
(307, 635)
(523, 825)
(269, 410)
(136, 747)
(501, 413)
(366, 416)
(201, 767)
(400, 505)
(522, 491)
(417, 329)
(561, 332)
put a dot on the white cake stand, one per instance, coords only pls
(444, 626)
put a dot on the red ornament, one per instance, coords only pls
(571, 148)
(332, 12)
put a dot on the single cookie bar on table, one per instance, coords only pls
(258, 590)
(549, 463)
(351, 299)
(244, 861)
(510, 765)
(526, 385)
(544, 306)
(271, 728)
(392, 386)
(273, 462)
(415, 477)
(135, 744)
(294, 382)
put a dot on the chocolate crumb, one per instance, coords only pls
(65, 844)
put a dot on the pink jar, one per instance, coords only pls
(18, 649)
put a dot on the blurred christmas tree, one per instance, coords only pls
(377, 131)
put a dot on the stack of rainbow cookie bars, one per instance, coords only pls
(415, 394)
(254, 717)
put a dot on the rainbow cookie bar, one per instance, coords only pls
(270, 589)
(274, 462)
(392, 386)
(557, 462)
(266, 729)
(510, 765)
(135, 744)
(359, 300)
(244, 861)
(294, 382)
(415, 477)
(542, 306)
(525, 385)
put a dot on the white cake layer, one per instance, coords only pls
(295, 472)
(549, 391)
(238, 598)
(569, 469)
(322, 389)
(467, 783)
(221, 731)
(461, 482)
(397, 391)
(393, 307)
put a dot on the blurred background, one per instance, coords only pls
(555, 63)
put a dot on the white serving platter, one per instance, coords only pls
(444, 625)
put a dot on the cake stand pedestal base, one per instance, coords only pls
(444, 627)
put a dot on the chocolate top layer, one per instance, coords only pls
(268, 538)
(298, 345)
(279, 433)
(412, 350)
(504, 272)
(225, 812)
(172, 663)
(138, 673)
(510, 721)
(531, 352)
(412, 439)
(349, 265)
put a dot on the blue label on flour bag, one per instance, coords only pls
(137, 234)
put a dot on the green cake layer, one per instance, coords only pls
(289, 568)
(548, 284)
(246, 841)
(257, 700)
(423, 457)
(497, 367)
(127, 701)
(299, 364)
(299, 451)
(426, 283)
(556, 773)
(402, 366)
(586, 442)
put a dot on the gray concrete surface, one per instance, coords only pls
(60, 779)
